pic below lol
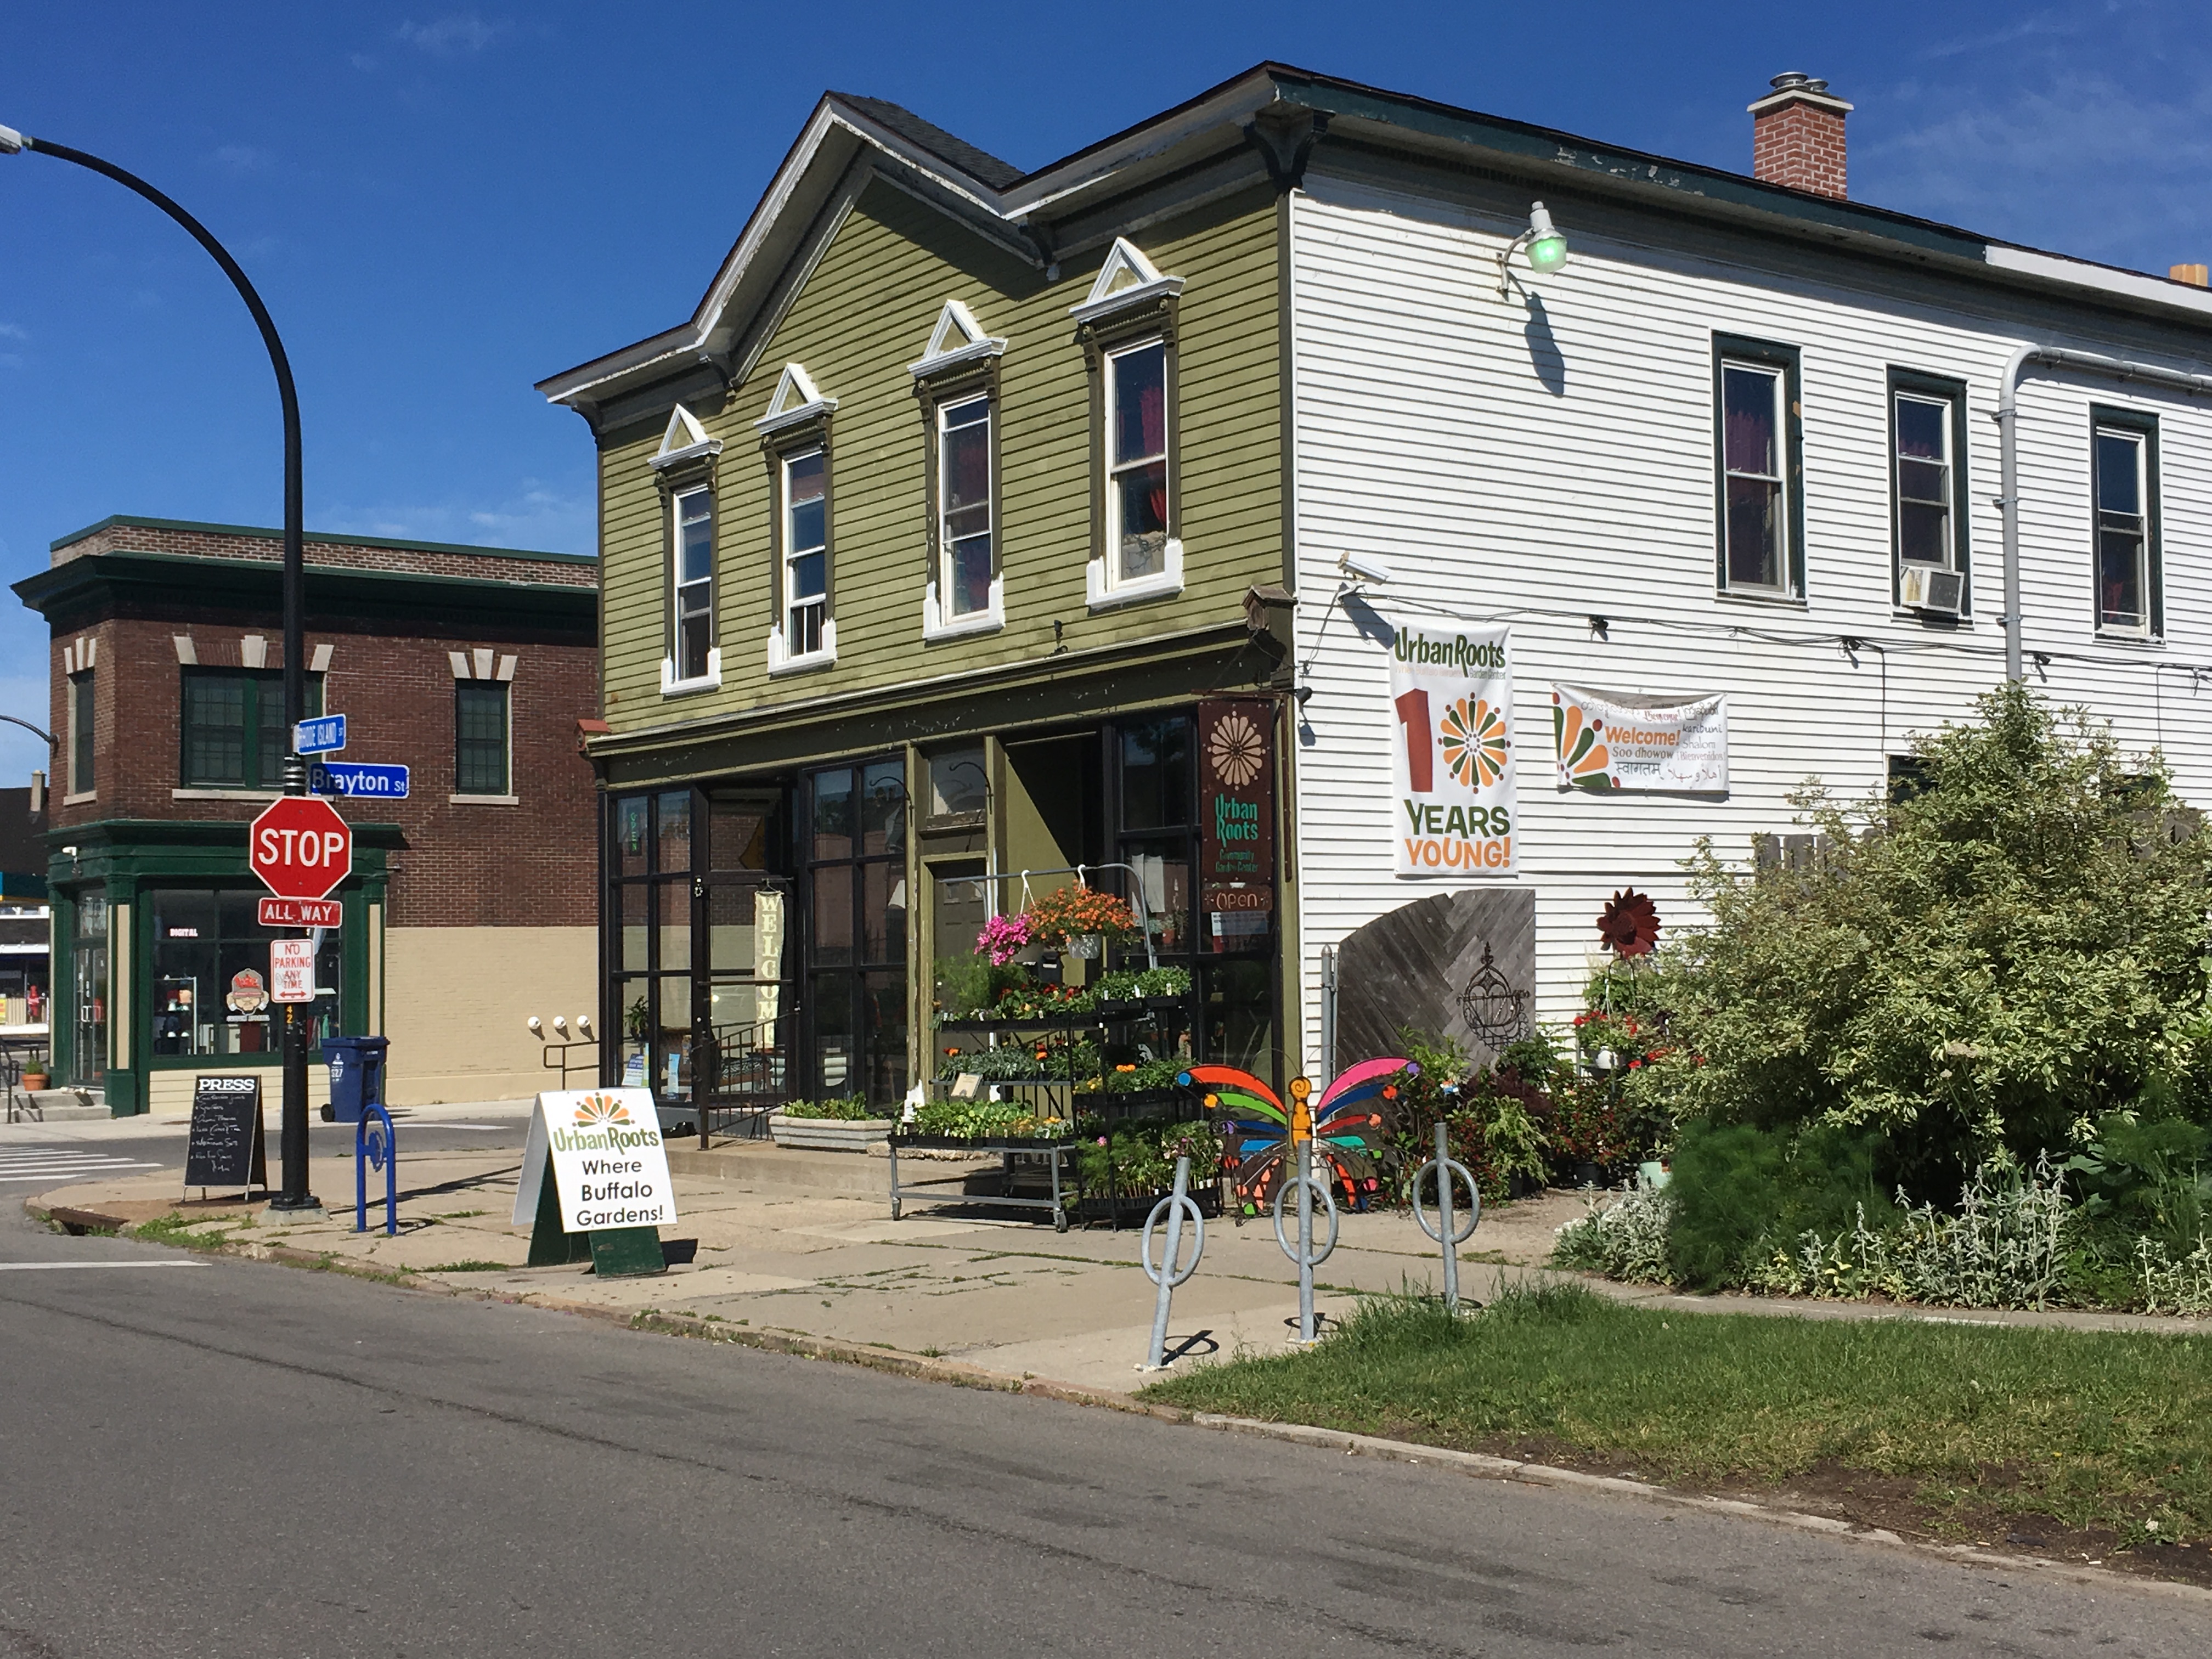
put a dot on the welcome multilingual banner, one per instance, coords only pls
(1451, 688)
(1608, 740)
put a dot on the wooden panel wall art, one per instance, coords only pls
(1410, 971)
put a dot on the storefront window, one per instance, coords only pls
(208, 987)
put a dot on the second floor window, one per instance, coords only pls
(806, 551)
(693, 622)
(480, 738)
(964, 506)
(2126, 531)
(1755, 510)
(81, 776)
(233, 728)
(1924, 528)
(1137, 463)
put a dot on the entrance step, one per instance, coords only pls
(65, 1105)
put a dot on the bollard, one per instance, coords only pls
(376, 1152)
(1445, 1232)
(1304, 1255)
(1168, 1275)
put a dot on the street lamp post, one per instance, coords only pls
(292, 1137)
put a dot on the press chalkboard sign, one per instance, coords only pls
(227, 1147)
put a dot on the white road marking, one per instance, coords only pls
(56, 1266)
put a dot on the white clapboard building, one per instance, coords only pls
(1745, 443)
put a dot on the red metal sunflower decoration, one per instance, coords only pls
(1630, 924)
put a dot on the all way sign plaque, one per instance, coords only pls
(301, 913)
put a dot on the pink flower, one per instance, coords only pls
(1003, 938)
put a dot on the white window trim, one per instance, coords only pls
(779, 660)
(483, 800)
(954, 323)
(779, 663)
(1149, 287)
(685, 440)
(671, 686)
(935, 625)
(2135, 632)
(1897, 460)
(1786, 588)
(1100, 591)
(94, 794)
(795, 401)
(1161, 584)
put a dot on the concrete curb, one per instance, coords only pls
(960, 1374)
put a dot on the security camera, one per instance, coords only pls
(536, 1026)
(1365, 566)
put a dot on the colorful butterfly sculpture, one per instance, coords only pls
(1260, 1131)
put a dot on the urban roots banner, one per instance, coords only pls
(1608, 740)
(1451, 690)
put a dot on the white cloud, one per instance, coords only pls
(243, 158)
(2075, 162)
(533, 517)
(12, 332)
(455, 35)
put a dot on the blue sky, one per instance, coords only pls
(443, 205)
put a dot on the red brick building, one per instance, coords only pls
(470, 905)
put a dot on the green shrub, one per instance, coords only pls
(1983, 970)
(1742, 1192)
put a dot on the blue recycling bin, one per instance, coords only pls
(356, 1067)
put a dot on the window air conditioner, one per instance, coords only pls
(1923, 589)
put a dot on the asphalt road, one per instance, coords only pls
(240, 1460)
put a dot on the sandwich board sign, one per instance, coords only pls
(609, 1194)
(227, 1145)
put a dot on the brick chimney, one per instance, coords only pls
(1797, 136)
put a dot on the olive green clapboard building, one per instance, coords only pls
(927, 544)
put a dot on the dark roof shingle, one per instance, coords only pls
(977, 164)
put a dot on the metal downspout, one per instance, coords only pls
(2085, 362)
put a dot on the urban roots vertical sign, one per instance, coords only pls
(1451, 690)
(1236, 821)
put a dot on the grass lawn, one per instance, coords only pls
(1959, 1424)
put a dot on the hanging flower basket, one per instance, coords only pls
(1058, 920)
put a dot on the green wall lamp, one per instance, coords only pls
(1547, 249)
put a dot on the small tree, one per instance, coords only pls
(1985, 967)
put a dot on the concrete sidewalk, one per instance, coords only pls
(801, 1243)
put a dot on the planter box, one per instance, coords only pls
(828, 1134)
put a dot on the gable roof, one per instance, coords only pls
(1021, 210)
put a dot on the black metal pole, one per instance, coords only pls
(292, 1135)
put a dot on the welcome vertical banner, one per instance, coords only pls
(1451, 691)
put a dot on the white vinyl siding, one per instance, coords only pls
(1560, 466)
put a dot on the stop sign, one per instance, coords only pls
(301, 848)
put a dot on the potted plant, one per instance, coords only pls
(35, 1079)
(849, 1125)
(1077, 920)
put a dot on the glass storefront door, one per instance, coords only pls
(853, 847)
(89, 972)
